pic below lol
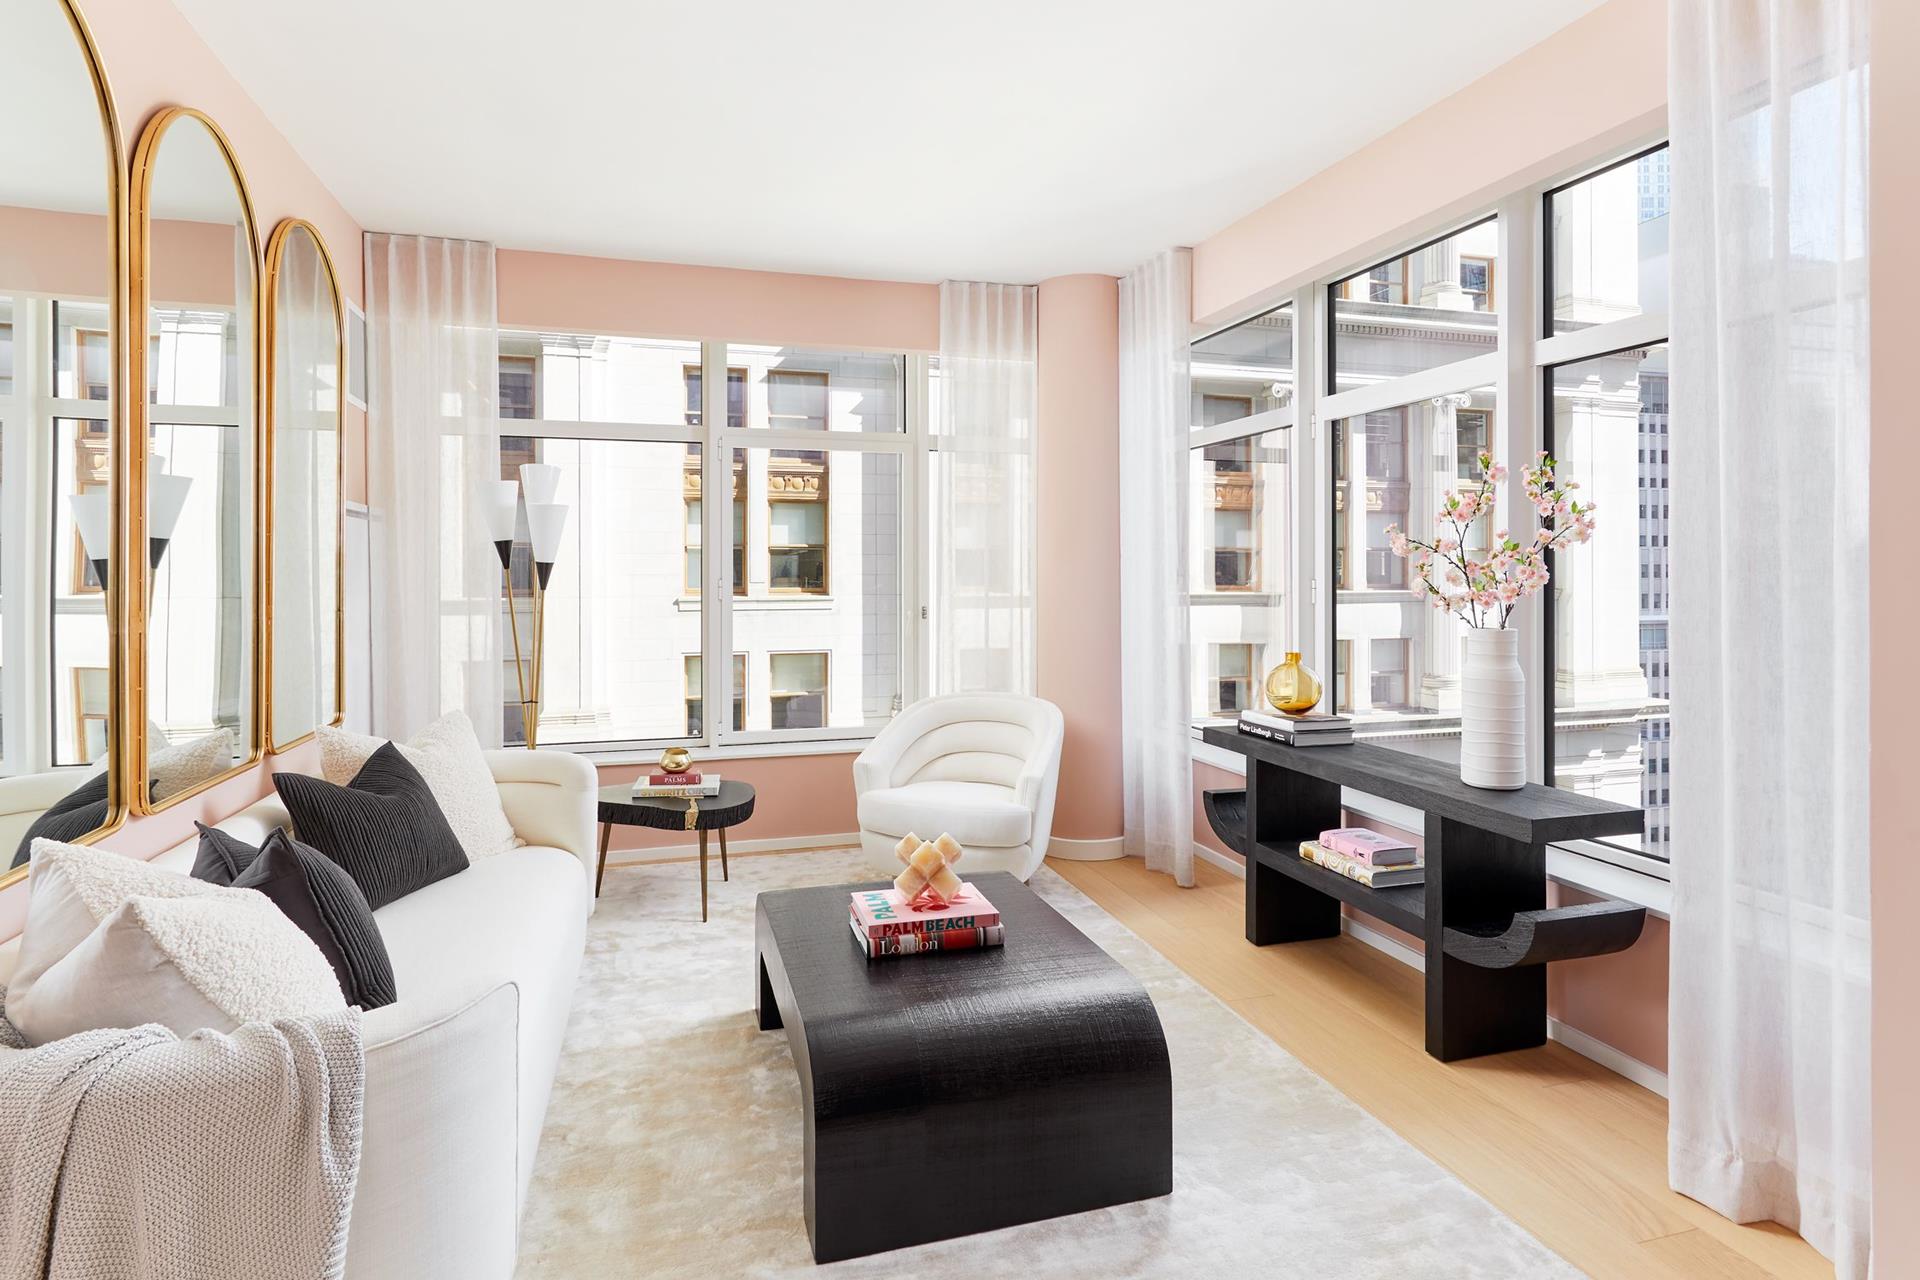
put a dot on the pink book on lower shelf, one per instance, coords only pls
(1368, 846)
(884, 913)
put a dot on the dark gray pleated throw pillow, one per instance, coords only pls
(316, 894)
(384, 827)
(72, 816)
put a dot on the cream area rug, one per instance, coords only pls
(673, 1141)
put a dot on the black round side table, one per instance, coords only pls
(731, 807)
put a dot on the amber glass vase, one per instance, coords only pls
(1292, 687)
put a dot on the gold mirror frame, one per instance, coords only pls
(276, 255)
(134, 721)
(119, 776)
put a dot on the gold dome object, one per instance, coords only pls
(676, 760)
(1292, 687)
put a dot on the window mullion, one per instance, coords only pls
(1517, 423)
(716, 541)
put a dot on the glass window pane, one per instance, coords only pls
(80, 634)
(828, 601)
(1244, 370)
(82, 368)
(1419, 311)
(193, 358)
(585, 378)
(796, 389)
(618, 616)
(1612, 737)
(1238, 571)
(1398, 658)
(1607, 243)
(736, 396)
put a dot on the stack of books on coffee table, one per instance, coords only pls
(885, 924)
(681, 786)
(1312, 730)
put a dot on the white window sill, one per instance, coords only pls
(734, 751)
(1566, 866)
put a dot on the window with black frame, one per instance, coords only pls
(1607, 654)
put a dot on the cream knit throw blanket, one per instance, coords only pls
(133, 1153)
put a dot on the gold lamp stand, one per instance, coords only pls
(545, 521)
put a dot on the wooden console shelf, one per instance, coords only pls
(1483, 910)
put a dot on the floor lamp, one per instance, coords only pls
(545, 522)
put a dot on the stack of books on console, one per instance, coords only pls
(1321, 730)
(1375, 860)
(884, 924)
(671, 786)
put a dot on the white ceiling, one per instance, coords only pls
(990, 139)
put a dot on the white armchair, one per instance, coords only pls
(982, 767)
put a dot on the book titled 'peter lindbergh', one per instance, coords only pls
(1298, 731)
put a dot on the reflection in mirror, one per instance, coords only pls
(58, 220)
(303, 434)
(201, 459)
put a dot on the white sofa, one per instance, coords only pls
(460, 1067)
(982, 767)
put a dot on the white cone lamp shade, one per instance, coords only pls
(546, 521)
(503, 516)
(541, 480)
(93, 520)
(166, 499)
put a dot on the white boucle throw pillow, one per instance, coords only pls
(172, 770)
(447, 753)
(112, 942)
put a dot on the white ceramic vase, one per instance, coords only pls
(1493, 710)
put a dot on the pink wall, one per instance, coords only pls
(43, 251)
(664, 300)
(1513, 126)
(1894, 209)
(1078, 486)
(1597, 83)
(794, 796)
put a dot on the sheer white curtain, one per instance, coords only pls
(982, 490)
(1769, 1010)
(1156, 744)
(433, 353)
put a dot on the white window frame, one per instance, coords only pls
(719, 739)
(1519, 369)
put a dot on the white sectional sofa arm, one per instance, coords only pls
(551, 798)
(439, 1181)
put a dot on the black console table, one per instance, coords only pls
(1483, 909)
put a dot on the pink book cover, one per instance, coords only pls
(1370, 847)
(885, 913)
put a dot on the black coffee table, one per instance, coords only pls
(733, 806)
(963, 1091)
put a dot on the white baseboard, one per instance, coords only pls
(1107, 850)
(1596, 1050)
(1649, 1078)
(673, 852)
(1232, 866)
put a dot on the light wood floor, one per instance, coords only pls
(1571, 1151)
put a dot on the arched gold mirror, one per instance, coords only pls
(61, 336)
(195, 472)
(305, 359)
